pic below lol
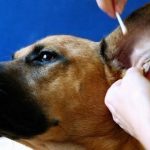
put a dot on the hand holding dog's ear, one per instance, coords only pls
(129, 102)
(107, 6)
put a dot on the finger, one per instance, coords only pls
(120, 5)
(134, 79)
(112, 93)
(120, 122)
(106, 6)
(116, 120)
(111, 109)
(134, 70)
(134, 74)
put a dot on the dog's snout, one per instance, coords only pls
(4, 70)
(18, 104)
(2, 66)
(3, 83)
(4, 74)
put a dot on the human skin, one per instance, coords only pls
(107, 6)
(128, 100)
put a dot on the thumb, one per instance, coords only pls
(120, 5)
(112, 93)
(106, 6)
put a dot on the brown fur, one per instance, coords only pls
(74, 91)
(75, 95)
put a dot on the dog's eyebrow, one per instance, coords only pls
(37, 48)
(35, 51)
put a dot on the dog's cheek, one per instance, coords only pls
(76, 101)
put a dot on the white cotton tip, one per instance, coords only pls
(122, 25)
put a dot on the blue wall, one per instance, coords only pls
(22, 22)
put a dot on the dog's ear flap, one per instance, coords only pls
(116, 48)
(103, 49)
(108, 49)
(107, 54)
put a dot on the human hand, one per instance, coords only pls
(129, 102)
(107, 6)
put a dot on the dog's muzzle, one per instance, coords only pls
(20, 115)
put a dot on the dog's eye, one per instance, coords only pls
(46, 56)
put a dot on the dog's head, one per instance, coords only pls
(54, 89)
(55, 86)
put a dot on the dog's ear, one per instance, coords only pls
(109, 49)
(116, 48)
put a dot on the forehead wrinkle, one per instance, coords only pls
(69, 46)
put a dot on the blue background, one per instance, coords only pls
(23, 22)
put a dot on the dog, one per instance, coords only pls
(52, 92)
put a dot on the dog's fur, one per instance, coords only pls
(52, 93)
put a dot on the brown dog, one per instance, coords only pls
(52, 93)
